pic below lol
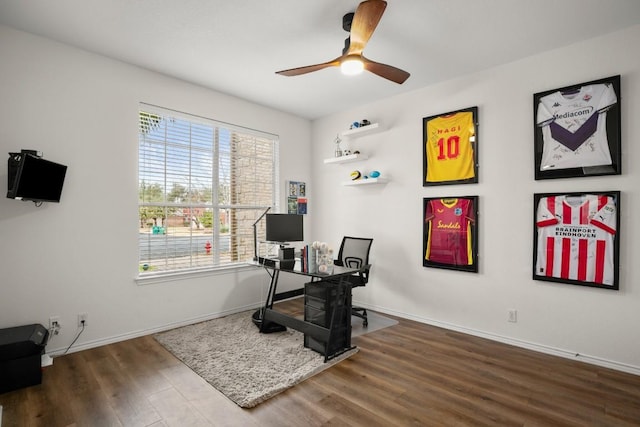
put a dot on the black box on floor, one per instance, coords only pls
(340, 340)
(21, 349)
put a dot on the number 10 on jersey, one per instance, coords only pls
(450, 148)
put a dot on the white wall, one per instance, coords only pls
(80, 255)
(600, 325)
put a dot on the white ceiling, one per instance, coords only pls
(236, 46)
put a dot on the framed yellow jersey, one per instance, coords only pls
(450, 148)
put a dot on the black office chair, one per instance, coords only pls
(354, 253)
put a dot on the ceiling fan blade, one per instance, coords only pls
(310, 68)
(386, 71)
(365, 21)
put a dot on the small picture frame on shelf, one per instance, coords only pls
(450, 236)
(450, 148)
(577, 130)
(575, 238)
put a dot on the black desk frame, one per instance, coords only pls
(316, 331)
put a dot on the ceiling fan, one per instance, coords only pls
(360, 25)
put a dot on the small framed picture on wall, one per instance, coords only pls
(450, 148)
(450, 237)
(576, 238)
(577, 130)
(296, 197)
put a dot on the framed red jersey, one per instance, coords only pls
(576, 238)
(450, 148)
(450, 238)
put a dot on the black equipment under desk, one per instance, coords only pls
(333, 332)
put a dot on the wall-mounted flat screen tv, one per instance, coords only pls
(284, 228)
(34, 178)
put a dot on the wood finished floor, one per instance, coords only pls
(409, 374)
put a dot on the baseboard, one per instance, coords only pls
(143, 332)
(567, 354)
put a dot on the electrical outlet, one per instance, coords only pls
(513, 315)
(54, 325)
(53, 321)
(82, 319)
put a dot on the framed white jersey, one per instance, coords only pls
(574, 127)
(577, 130)
(576, 238)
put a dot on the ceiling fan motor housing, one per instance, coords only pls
(346, 25)
(347, 20)
(347, 43)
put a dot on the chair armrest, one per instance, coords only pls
(364, 273)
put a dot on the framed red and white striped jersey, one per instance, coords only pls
(577, 238)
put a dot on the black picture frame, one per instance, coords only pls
(577, 130)
(583, 249)
(450, 233)
(297, 197)
(450, 160)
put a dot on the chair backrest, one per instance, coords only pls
(354, 253)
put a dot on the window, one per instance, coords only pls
(202, 185)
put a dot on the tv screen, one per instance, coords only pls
(35, 178)
(284, 228)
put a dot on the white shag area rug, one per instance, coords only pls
(248, 367)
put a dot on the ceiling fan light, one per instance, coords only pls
(351, 66)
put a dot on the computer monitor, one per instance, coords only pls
(283, 228)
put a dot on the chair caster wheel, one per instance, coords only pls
(365, 323)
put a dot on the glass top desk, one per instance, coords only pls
(267, 315)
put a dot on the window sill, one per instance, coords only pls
(150, 279)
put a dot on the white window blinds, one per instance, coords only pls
(202, 184)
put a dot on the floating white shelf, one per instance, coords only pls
(368, 181)
(361, 131)
(346, 159)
